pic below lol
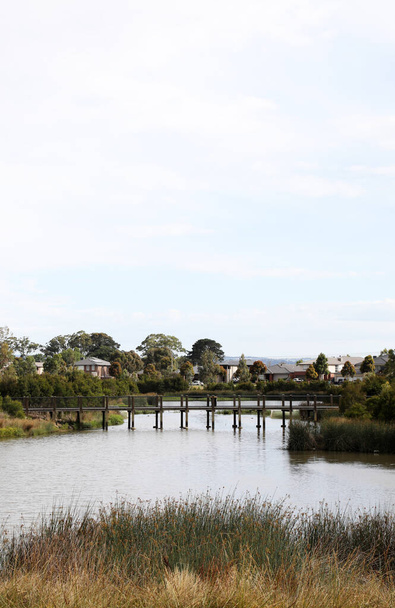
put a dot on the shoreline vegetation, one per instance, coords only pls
(25, 427)
(342, 435)
(202, 551)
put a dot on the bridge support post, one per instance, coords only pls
(263, 412)
(161, 412)
(106, 399)
(239, 411)
(315, 410)
(133, 412)
(181, 412)
(290, 409)
(283, 410)
(234, 413)
(258, 413)
(129, 425)
(213, 400)
(186, 411)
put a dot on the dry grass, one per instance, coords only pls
(201, 552)
(25, 427)
(319, 585)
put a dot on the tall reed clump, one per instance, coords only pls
(343, 435)
(204, 535)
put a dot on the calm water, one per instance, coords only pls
(95, 466)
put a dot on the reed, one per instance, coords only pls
(201, 551)
(343, 435)
(202, 534)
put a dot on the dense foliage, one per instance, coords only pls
(72, 383)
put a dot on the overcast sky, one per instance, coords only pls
(220, 169)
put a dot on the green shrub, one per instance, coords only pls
(115, 419)
(9, 432)
(11, 407)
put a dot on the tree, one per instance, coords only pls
(348, 370)
(24, 347)
(311, 373)
(6, 348)
(201, 346)
(161, 357)
(70, 356)
(130, 361)
(151, 371)
(24, 367)
(55, 364)
(115, 369)
(186, 371)
(321, 365)
(55, 346)
(389, 367)
(80, 340)
(257, 369)
(209, 368)
(242, 372)
(367, 365)
(170, 344)
(102, 346)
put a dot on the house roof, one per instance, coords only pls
(337, 360)
(234, 361)
(286, 368)
(91, 361)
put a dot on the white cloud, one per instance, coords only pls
(378, 130)
(366, 170)
(165, 230)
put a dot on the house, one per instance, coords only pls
(230, 365)
(94, 367)
(39, 367)
(285, 371)
(335, 365)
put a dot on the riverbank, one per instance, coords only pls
(343, 435)
(13, 428)
(201, 552)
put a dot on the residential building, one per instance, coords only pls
(94, 367)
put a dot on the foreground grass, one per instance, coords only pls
(343, 435)
(201, 552)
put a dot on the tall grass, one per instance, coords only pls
(25, 427)
(201, 551)
(343, 435)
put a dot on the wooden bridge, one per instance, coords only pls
(309, 406)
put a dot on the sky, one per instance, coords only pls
(206, 169)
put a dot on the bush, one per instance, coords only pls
(11, 407)
(115, 419)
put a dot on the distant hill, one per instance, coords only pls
(267, 360)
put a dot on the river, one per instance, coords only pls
(96, 467)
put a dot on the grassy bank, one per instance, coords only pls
(343, 435)
(12, 428)
(201, 552)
